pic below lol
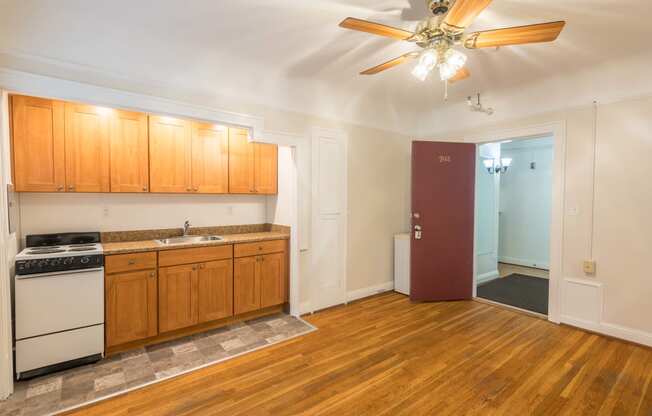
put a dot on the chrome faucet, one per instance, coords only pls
(186, 226)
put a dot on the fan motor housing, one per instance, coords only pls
(438, 7)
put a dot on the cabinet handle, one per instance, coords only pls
(144, 188)
(194, 267)
(202, 266)
(196, 189)
(131, 262)
(189, 189)
(60, 188)
(152, 274)
(71, 187)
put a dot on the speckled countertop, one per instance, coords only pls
(139, 246)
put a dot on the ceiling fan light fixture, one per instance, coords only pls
(447, 71)
(455, 58)
(427, 61)
(420, 72)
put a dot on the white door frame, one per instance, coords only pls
(558, 131)
(341, 137)
(299, 146)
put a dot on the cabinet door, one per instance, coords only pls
(215, 290)
(169, 155)
(131, 307)
(210, 159)
(246, 285)
(87, 148)
(129, 152)
(241, 162)
(272, 279)
(266, 171)
(38, 144)
(177, 297)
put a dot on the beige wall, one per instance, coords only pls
(621, 240)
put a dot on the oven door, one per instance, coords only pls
(53, 302)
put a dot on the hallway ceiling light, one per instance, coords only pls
(494, 166)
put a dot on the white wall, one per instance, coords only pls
(487, 200)
(45, 213)
(526, 203)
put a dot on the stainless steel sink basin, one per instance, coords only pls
(189, 239)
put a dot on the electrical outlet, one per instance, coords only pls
(105, 211)
(589, 266)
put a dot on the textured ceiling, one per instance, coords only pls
(291, 54)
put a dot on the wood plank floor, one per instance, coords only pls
(387, 356)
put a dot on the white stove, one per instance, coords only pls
(59, 297)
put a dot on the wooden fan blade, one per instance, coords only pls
(463, 13)
(375, 28)
(461, 74)
(389, 64)
(542, 32)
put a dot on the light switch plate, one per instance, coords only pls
(589, 266)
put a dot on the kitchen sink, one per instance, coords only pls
(189, 239)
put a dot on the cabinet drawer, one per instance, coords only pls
(261, 247)
(128, 262)
(194, 255)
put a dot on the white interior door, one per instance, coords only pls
(328, 276)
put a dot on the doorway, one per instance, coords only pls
(514, 194)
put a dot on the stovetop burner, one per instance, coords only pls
(90, 248)
(48, 250)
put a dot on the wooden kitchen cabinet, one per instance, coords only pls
(210, 159)
(272, 279)
(253, 167)
(259, 281)
(129, 148)
(246, 284)
(170, 155)
(38, 144)
(131, 306)
(266, 168)
(177, 294)
(215, 290)
(87, 148)
(241, 162)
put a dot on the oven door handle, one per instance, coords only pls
(37, 275)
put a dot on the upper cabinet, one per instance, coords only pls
(38, 144)
(87, 148)
(169, 154)
(266, 171)
(210, 159)
(253, 167)
(129, 142)
(70, 147)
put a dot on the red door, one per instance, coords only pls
(441, 255)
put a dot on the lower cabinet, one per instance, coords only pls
(131, 306)
(177, 294)
(197, 292)
(259, 282)
(215, 290)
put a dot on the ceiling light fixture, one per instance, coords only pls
(448, 60)
(497, 166)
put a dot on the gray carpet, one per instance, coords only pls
(525, 292)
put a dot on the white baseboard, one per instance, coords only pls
(368, 291)
(524, 262)
(486, 277)
(612, 330)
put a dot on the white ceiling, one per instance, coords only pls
(291, 54)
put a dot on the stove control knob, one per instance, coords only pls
(85, 260)
(68, 260)
(55, 262)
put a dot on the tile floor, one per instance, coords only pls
(55, 392)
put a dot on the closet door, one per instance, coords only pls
(129, 152)
(210, 159)
(241, 162)
(266, 171)
(169, 155)
(38, 144)
(87, 148)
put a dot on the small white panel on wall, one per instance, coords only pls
(582, 302)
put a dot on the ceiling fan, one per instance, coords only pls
(438, 35)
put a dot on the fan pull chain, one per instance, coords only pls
(446, 90)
